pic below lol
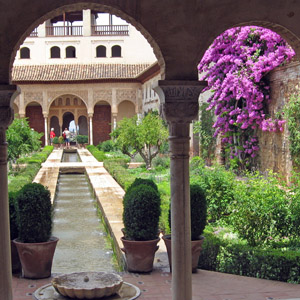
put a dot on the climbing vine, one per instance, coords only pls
(292, 115)
(235, 66)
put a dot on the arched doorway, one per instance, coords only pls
(83, 125)
(101, 122)
(54, 123)
(35, 118)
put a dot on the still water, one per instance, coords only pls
(70, 157)
(82, 245)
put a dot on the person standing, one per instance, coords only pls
(52, 136)
(67, 134)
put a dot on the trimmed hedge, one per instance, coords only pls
(274, 264)
(99, 155)
(117, 167)
(27, 174)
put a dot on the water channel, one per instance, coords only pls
(82, 245)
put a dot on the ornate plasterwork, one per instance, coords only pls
(102, 95)
(82, 94)
(126, 94)
(33, 96)
(82, 112)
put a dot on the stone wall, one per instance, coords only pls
(274, 147)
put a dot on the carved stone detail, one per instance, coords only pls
(81, 112)
(180, 111)
(102, 95)
(33, 96)
(126, 94)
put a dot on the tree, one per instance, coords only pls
(144, 137)
(235, 66)
(22, 139)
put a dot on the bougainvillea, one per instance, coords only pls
(235, 66)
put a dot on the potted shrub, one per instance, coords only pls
(14, 233)
(35, 245)
(61, 140)
(140, 217)
(82, 140)
(55, 142)
(198, 223)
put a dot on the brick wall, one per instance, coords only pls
(36, 120)
(101, 123)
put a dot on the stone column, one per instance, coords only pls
(46, 129)
(86, 16)
(91, 129)
(6, 117)
(114, 123)
(179, 107)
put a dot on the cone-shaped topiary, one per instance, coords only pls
(14, 231)
(34, 213)
(198, 211)
(141, 213)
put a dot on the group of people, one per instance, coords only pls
(66, 135)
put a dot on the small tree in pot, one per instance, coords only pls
(140, 217)
(35, 245)
(198, 223)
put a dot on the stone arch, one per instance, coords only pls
(57, 95)
(115, 9)
(126, 109)
(68, 117)
(16, 109)
(34, 113)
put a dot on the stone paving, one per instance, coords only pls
(157, 285)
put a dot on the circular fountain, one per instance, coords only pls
(87, 285)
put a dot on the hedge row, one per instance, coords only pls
(99, 155)
(38, 157)
(27, 174)
(117, 167)
(274, 264)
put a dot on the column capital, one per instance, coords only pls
(45, 115)
(90, 115)
(179, 99)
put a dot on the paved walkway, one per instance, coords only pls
(157, 285)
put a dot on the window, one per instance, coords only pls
(25, 52)
(55, 52)
(70, 52)
(101, 51)
(116, 51)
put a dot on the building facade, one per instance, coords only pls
(89, 74)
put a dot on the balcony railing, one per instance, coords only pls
(109, 30)
(34, 33)
(64, 30)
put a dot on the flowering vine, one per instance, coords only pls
(235, 66)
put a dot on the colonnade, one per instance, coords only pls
(179, 107)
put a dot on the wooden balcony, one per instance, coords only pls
(110, 30)
(64, 31)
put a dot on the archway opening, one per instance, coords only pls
(35, 117)
(101, 122)
(83, 125)
(125, 109)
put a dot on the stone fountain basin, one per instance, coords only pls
(87, 285)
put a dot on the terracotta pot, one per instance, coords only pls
(36, 258)
(15, 260)
(196, 250)
(139, 254)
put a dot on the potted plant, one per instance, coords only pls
(14, 233)
(61, 140)
(82, 140)
(35, 245)
(198, 223)
(140, 217)
(55, 142)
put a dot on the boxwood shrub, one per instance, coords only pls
(141, 213)
(99, 155)
(34, 213)
(274, 264)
